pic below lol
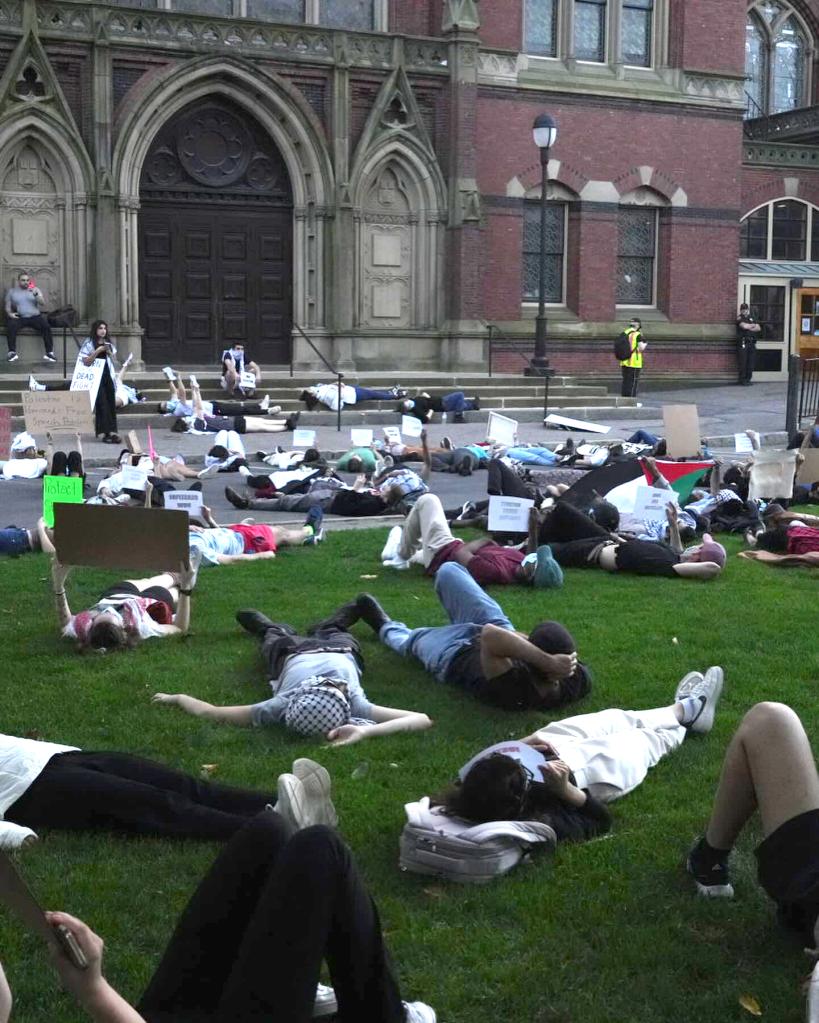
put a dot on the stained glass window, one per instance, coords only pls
(753, 235)
(590, 30)
(553, 250)
(355, 14)
(636, 249)
(540, 33)
(789, 229)
(636, 32)
(788, 68)
(276, 10)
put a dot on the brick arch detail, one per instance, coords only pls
(770, 191)
(559, 171)
(649, 177)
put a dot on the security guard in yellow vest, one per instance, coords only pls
(634, 363)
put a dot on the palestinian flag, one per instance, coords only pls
(618, 483)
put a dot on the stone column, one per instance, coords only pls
(340, 313)
(466, 332)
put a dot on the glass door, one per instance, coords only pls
(807, 326)
(768, 299)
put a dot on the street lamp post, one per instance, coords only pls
(544, 132)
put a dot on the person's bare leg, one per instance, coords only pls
(768, 766)
(286, 537)
(255, 424)
(253, 368)
(166, 579)
(231, 376)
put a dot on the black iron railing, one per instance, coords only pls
(809, 390)
(524, 350)
(339, 376)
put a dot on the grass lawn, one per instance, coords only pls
(606, 932)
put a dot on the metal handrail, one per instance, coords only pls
(809, 390)
(513, 346)
(330, 367)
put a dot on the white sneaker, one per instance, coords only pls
(15, 836)
(710, 688)
(317, 787)
(419, 1012)
(194, 382)
(169, 373)
(210, 470)
(397, 563)
(326, 1003)
(274, 410)
(265, 402)
(390, 551)
(302, 805)
(33, 385)
(687, 684)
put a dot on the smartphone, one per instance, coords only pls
(16, 894)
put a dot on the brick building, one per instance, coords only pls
(204, 171)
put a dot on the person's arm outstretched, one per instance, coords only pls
(201, 709)
(388, 720)
(499, 647)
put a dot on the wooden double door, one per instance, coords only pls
(215, 238)
(210, 276)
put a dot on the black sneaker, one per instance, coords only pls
(49, 357)
(476, 404)
(12, 357)
(254, 621)
(371, 612)
(341, 620)
(711, 877)
(292, 421)
(236, 499)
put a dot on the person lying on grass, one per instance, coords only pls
(283, 895)
(316, 681)
(246, 541)
(49, 785)
(563, 774)
(579, 542)
(769, 768)
(480, 651)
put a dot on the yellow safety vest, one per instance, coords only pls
(635, 360)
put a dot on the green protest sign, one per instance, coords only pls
(60, 490)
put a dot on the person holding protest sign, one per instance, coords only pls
(179, 405)
(129, 611)
(316, 682)
(239, 376)
(200, 421)
(100, 345)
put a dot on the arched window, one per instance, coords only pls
(777, 58)
(554, 243)
(786, 229)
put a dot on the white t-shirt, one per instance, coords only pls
(327, 394)
(21, 763)
(24, 468)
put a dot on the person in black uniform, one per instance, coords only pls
(748, 330)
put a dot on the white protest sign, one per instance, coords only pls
(87, 378)
(650, 503)
(502, 429)
(411, 427)
(304, 438)
(509, 514)
(184, 500)
(134, 478)
(247, 381)
(553, 419)
(392, 434)
(742, 444)
(361, 438)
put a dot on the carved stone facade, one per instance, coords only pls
(200, 177)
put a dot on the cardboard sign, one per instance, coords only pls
(304, 438)
(650, 503)
(247, 381)
(59, 490)
(682, 430)
(5, 432)
(502, 429)
(574, 424)
(509, 514)
(132, 442)
(101, 536)
(57, 411)
(392, 434)
(411, 427)
(361, 438)
(808, 471)
(742, 444)
(772, 475)
(189, 501)
(88, 378)
(133, 478)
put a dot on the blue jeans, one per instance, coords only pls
(533, 456)
(457, 401)
(14, 541)
(642, 437)
(468, 607)
(373, 394)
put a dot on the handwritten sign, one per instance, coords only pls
(304, 438)
(502, 429)
(5, 431)
(189, 501)
(133, 478)
(88, 378)
(392, 434)
(742, 444)
(509, 514)
(57, 411)
(59, 490)
(411, 427)
(247, 381)
(361, 438)
(650, 503)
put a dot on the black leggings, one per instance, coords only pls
(249, 945)
(80, 791)
(503, 480)
(565, 523)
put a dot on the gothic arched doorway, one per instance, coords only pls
(215, 239)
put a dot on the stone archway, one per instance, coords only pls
(215, 238)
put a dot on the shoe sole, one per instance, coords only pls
(705, 721)
(317, 786)
(713, 891)
(290, 801)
